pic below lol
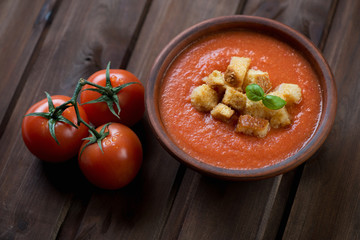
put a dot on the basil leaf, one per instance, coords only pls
(254, 92)
(273, 102)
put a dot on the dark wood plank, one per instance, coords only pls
(307, 16)
(169, 19)
(141, 210)
(84, 35)
(20, 30)
(212, 209)
(327, 201)
(207, 208)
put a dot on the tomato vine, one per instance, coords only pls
(108, 95)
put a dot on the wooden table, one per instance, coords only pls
(47, 45)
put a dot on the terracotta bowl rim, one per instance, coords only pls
(326, 119)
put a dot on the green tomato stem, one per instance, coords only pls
(107, 75)
(73, 102)
(82, 82)
(92, 129)
(97, 86)
(80, 120)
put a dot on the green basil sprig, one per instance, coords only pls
(255, 93)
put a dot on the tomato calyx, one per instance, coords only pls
(108, 93)
(96, 137)
(54, 115)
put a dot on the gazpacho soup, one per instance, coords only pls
(206, 105)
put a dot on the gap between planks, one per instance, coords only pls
(46, 14)
(136, 34)
(172, 197)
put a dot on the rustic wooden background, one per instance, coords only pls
(49, 44)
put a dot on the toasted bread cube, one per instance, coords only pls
(291, 93)
(257, 109)
(216, 81)
(278, 118)
(257, 77)
(249, 125)
(204, 98)
(216, 78)
(234, 99)
(222, 112)
(236, 72)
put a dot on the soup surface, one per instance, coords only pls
(213, 142)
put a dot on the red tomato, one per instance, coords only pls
(131, 99)
(119, 162)
(36, 134)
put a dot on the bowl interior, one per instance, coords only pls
(265, 26)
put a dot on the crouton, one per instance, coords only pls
(216, 81)
(234, 99)
(216, 78)
(204, 98)
(257, 77)
(222, 112)
(257, 109)
(278, 118)
(291, 93)
(249, 125)
(236, 72)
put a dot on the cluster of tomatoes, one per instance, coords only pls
(57, 128)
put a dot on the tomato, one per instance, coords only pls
(131, 99)
(37, 137)
(119, 161)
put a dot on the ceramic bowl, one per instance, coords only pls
(266, 26)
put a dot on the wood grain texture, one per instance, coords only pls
(167, 19)
(234, 211)
(327, 202)
(140, 211)
(307, 16)
(83, 36)
(18, 39)
(207, 208)
(214, 209)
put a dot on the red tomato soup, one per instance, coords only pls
(215, 142)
